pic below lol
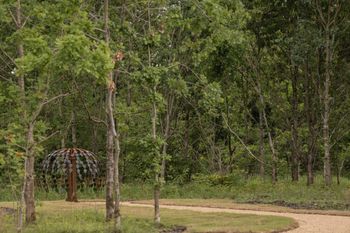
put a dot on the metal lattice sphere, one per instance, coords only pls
(61, 160)
(71, 162)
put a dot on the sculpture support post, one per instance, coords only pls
(72, 181)
(69, 160)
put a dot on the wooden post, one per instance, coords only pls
(72, 180)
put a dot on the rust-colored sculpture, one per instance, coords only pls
(73, 162)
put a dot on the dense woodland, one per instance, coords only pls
(170, 91)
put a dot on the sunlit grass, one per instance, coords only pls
(252, 190)
(64, 217)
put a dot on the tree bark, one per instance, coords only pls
(310, 118)
(186, 148)
(20, 49)
(117, 214)
(29, 176)
(326, 113)
(340, 168)
(28, 183)
(110, 128)
(72, 181)
(328, 18)
(294, 128)
(62, 132)
(261, 145)
(20, 53)
(170, 102)
(271, 143)
(156, 194)
(74, 129)
(157, 178)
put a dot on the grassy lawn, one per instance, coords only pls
(63, 217)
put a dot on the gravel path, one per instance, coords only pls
(308, 223)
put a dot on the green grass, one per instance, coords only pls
(253, 190)
(88, 217)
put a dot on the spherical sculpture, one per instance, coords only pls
(72, 162)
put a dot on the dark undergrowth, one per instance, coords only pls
(253, 190)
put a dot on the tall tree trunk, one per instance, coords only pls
(126, 135)
(326, 113)
(62, 132)
(339, 170)
(29, 176)
(255, 63)
(170, 102)
(117, 214)
(72, 181)
(157, 178)
(187, 146)
(310, 118)
(28, 183)
(261, 145)
(74, 129)
(328, 13)
(156, 191)
(20, 49)
(20, 53)
(94, 141)
(110, 127)
(271, 143)
(294, 128)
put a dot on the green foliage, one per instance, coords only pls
(81, 221)
(210, 67)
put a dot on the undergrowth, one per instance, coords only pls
(252, 190)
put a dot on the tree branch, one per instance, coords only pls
(42, 104)
(46, 138)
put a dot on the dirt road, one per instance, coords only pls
(308, 223)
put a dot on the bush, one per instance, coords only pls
(233, 179)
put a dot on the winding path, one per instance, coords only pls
(308, 223)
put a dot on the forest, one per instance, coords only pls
(120, 102)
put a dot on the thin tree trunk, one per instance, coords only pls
(94, 139)
(29, 176)
(258, 89)
(229, 144)
(20, 49)
(110, 129)
(157, 178)
(28, 184)
(170, 102)
(117, 214)
(328, 21)
(62, 133)
(271, 143)
(294, 128)
(20, 53)
(310, 113)
(156, 194)
(187, 145)
(340, 168)
(261, 145)
(126, 135)
(326, 113)
(22, 200)
(74, 129)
